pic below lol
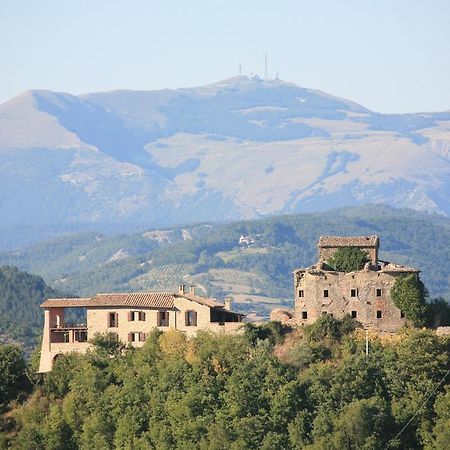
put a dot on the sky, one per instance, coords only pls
(391, 56)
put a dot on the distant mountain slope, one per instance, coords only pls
(258, 276)
(241, 148)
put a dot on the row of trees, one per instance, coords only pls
(263, 389)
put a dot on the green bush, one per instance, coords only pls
(327, 327)
(348, 259)
(409, 295)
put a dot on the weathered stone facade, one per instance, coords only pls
(363, 294)
(131, 317)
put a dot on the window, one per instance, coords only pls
(113, 320)
(163, 318)
(353, 292)
(301, 293)
(325, 292)
(379, 314)
(191, 318)
(80, 336)
(402, 314)
(379, 292)
(136, 315)
(354, 314)
(304, 315)
(136, 337)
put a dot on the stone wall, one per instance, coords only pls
(366, 302)
(329, 244)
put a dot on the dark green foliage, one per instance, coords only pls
(13, 377)
(348, 259)
(327, 327)
(231, 392)
(273, 332)
(107, 343)
(437, 313)
(409, 295)
(21, 293)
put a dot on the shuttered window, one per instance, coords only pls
(163, 319)
(113, 320)
(191, 318)
(137, 337)
(136, 315)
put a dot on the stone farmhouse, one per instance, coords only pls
(131, 317)
(363, 294)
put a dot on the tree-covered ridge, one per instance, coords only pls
(21, 293)
(211, 255)
(316, 390)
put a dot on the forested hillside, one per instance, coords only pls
(21, 294)
(257, 274)
(311, 389)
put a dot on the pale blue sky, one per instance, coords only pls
(389, 55)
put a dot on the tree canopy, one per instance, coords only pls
(263, 389)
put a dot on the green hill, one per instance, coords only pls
(21, 294)
(258, 276)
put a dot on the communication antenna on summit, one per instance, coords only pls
(266, 69)
(240, 69)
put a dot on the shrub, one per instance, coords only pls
(348, 259)
(408, 295)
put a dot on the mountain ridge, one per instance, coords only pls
(240, 148)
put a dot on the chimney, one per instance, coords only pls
(192, 289)
(228, 302)
(181, 288)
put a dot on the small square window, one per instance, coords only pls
(301, 293)
(325, 292)
(353, 292)
(379, 292)
(379, 314)
(304, 315)
(354, 314)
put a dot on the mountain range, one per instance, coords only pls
(237, 149)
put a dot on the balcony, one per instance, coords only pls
(68, 333)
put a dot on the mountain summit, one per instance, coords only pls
(240, 148)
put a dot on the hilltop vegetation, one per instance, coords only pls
(21, 293)
(233, 392)
(257, 275)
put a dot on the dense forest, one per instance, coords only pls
(266, 388)
(21, 294)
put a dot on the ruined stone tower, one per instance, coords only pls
(363, 294)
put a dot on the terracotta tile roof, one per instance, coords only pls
(211, 302)
(354, 241)
(132, 299)
(66, 303)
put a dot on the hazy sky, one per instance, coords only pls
(389, 55)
